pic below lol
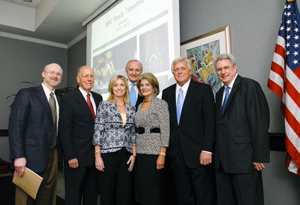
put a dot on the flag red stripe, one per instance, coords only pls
(297, 72)
(293, 152)
(275, 88)
(277, 69)
(294, 124)
(280, 50)
(293, 93)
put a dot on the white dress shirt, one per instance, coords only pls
(84, 93)
(47, 93)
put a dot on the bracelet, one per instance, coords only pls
(134, 155)
(96, 151)
(164, 154)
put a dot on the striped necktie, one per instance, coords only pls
(52, 105)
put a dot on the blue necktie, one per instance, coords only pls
(179, 104)
(226, 98)
(132, 95)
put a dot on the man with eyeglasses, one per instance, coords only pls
(33, 135)
(134, 70)
(77, 117)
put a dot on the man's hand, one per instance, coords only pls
(73, 163)
(258, 166)
(20, 164)
(205, 158)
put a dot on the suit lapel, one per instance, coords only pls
(42, 97)
(233, 91)
(188, 99)
(96, 99)
(172, 105)
(219, 102)
(81, 100)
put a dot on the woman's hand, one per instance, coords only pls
(131, 162)
(160, 162)
(99, 164)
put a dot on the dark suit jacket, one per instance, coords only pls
(76, 127)
(31, 128)
(242, 131)
(140, 99)
(196, 130)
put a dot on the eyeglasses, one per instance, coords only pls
(53, 73)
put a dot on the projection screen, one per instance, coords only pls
(147, 30)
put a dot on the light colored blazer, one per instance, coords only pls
(157, 116)
(109, 132)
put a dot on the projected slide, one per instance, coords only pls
(154, 50)
(147, 30)
(112, 62)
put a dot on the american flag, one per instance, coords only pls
(284, 80)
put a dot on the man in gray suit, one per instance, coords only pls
(33, 135)
(242, 140)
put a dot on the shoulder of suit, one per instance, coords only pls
(249, 81)
(70, 94)
(131, 106)
(96, 94)
(158, 101)
(170, 88)
(201, 87)
(158, 104)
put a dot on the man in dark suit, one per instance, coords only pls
(33, 135)
(192, 129)
(134, 70)
(242, 140)
(77, 117)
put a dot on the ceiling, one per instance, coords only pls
(55, 21)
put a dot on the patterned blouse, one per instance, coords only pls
(109, 131)
(157, 116)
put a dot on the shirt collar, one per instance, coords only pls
(83, 92)
(46, 90)
(184, 87)
(232, 82)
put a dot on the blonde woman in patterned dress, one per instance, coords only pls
(152, 130)
(115, 144)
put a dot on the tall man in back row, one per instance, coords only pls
(242, 140)
(77, 118)
(134, 70)
(33, 135)
(192, 133)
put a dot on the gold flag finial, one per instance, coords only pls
(290, 0)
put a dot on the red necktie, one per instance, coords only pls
(89, 102)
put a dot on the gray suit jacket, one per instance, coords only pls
(157, 116)
(242, 131)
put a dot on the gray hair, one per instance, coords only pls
(126, 68)
(79, 69)
(224, 56)
(180, 59)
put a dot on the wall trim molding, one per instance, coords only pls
(33, 40)
(77, 39)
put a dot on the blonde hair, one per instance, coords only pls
(151, 79)
(111, 97)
